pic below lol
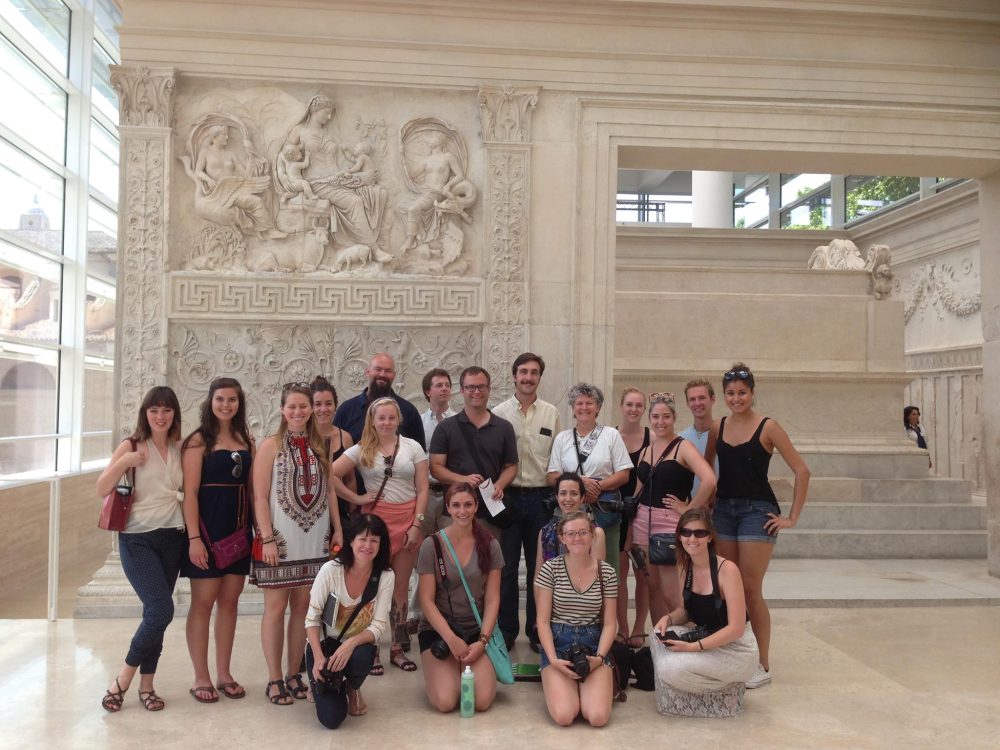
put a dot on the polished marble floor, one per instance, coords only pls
(906, 677)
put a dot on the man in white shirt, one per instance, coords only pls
(437, 390)
(700, 397)
(536, 423)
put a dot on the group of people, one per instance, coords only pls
(332, 514)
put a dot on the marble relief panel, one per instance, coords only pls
(347, 182)
(264, 356)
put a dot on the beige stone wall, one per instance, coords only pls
(936, 262)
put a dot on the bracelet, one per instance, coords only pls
(269, 540)
(415, 526)
(483, 638)
(670, 620)
(192, 538)
(701, 645)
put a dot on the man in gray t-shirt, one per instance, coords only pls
(700, 398)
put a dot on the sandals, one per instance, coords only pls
(204, 689)
(299, 690)
(113, 699)
(151, 701)
(640, 637)
(621, 638)
(377, 669)
(281, 697)
(356, 705)
(232, 690)
(398, 658)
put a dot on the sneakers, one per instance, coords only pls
(760, 678)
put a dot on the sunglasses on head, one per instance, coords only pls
(665, 395)
(737, 375)
(696, 533)
(287, 386)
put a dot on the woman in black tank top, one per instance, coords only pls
(746, 512)
(665, 475)
(636, 438)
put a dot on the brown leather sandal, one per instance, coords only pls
(113, 699)
(151, 701)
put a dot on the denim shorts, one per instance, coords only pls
(742, 519)
(564, 636)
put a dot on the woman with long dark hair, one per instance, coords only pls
(152, 543)
(726, 651)
(217, 460)
(297, 518)
(746, 511)
(450, 637)
(394, 470)
(361, 582)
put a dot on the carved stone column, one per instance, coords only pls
(145, 110)
(505, 113)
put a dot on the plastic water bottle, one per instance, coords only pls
(468, 699)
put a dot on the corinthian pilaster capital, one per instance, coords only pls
(145, 95)
(505, 112)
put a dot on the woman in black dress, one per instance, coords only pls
(216, 459)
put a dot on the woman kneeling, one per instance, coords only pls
(361, 584)
(720, 649)
(575, 597)
(459, 569)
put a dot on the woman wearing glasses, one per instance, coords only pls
(394, 470)
(666, 473)
(597, 453)
(298, 522)
(216, 458)
(726, 652)
(575, 596)
(746, 511)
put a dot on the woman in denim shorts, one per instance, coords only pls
(746, 513)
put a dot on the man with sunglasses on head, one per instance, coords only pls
(381, 373)
(536, 423)
(476, 446)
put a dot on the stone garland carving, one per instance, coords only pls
(264, 357)
(196, 296)
(505, 114)
(309, 204)
(145, 95)
(844, 255)
(141, 357)
(932, 286)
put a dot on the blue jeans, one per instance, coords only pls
(742, 519)
(564, 636)
(331, 705)
(151, 561)
(527, 509)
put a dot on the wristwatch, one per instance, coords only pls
(421, 517)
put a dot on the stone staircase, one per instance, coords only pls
(885, 518)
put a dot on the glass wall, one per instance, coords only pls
(58, 228)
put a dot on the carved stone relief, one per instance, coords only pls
(932, 289)
(263, 357)
(843, 255)
(145, 95)
(298, 200)
(505, 114)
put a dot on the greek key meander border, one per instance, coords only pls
(195, 297)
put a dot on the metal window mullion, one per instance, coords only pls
(74, 286)
(774, 200)
(838, 201)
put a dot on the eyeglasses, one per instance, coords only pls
(665, 395)
(476, 388)
(238, 460)
(737, 375)
(576, 534)
(696, 533)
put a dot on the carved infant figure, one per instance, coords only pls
(293, 161)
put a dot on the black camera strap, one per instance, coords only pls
(713, 564)
(443, 571)
(371, 589)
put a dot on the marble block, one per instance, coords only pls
(715, 705)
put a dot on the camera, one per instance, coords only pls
(577, 656)
(333, 682)
(638, 558)
(440, 649)
(691, 636)
(624, 505)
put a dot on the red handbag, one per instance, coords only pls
(118, 503)
(234, 547)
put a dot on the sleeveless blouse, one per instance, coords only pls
(159, 490)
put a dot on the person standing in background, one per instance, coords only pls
(381, 373)
(536, 423)
(700, 397)
(437, 390)
(911, 423)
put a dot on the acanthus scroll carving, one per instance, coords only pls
(505, 113)
(145, 95)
